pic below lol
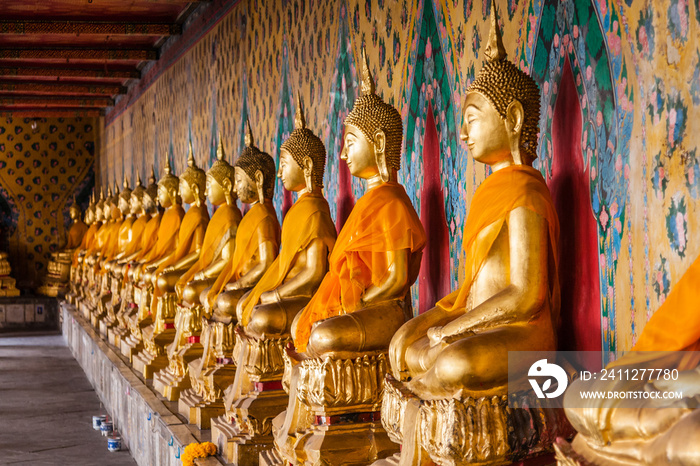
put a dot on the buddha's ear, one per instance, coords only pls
(515, 116)
(308, 167)
(260, 184)
(380, 154)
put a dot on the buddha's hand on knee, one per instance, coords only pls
(435, 336)
(397, 352)
(168, 269)
(269, 297)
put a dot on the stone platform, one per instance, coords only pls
(149, 425)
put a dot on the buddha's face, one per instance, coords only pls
(89, 216)
(359, 154)
(148, 204)
(74, 213)
(186, 192)
(484, 131)
(245, 187)
(99, 214)
(215, 192)
(290, 172)
(135, 205)
(124, 205)
(107, 210)
(164, 197)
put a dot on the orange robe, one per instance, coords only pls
(137, 229)
(383, 220)
(190, 239)
(222, 227)
(87, 242)
(149, 236)
(111, 248)
(75, 234)
(259, 225)
(502, 192)
(675, 326)
(308, 219)
(167, 234)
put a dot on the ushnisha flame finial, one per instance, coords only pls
(126, 182)
(220, 153)
(190, 157)
(249, 141)
(299, 120)
(168, 169)
(138, 180)
(116, 188)
(367, 86)
(494, 47)
(109, 192)
(152, 179)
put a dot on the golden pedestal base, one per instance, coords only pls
(469, 431)
(170, 382)
(333, 413)
(152, 357)
(197, 411)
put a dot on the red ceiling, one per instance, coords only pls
(62, 54)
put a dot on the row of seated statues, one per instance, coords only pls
(297, 345)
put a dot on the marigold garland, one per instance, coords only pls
(197, 450)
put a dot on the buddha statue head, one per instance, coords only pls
(150, 195)
(125, 198)
(99, 207)
(90, 211)
(168, 187)
(501, 109)
(74, 211)
(373, 133)
(114, 210)
(302, 156)
(193, 181)
(107, 205)
(220, 179)
(254, 173)
(136, 201)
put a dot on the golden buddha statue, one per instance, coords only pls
(169, 270)
(342, 335)
(82, 278)
(217, 249)
(79, 253)
(130, 321)
(141, 272)
(508, 301)
(265, 314)
(638, 430)
(256, 246)
(59, 266)
(7, 283)
(119, 236)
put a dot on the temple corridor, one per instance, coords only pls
(46, 406)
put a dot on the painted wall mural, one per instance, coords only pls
(41, 169)
(619, 122)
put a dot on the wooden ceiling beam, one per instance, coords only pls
(61, 87)
(82, 28)
(50, 112)
(54, 101)
(69, 72)
(77, 54)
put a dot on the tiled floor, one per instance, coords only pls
(46, 407)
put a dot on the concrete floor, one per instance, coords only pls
(46, 406)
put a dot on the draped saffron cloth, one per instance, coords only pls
(125, 232)
(87, 242)
(502, 192)
(308, 219)
(222, 227)
(137, 229)
(167, 234)
(76, 234)
(112, 248)
(258, 226)
(383, 220)
(149, 237)
(675, 326)
(190, 239)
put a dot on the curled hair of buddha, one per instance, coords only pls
(302, 142)
(501, 82)
(139, 190)
(253, 159)
(152, 188)
(126, 191)
(193, 175)
(168, 180)
(221, 170)
(370, 113)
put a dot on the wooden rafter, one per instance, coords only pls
(69, 72)
(62, 101)
(89, 28)
(77, 54)
(59, 87)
